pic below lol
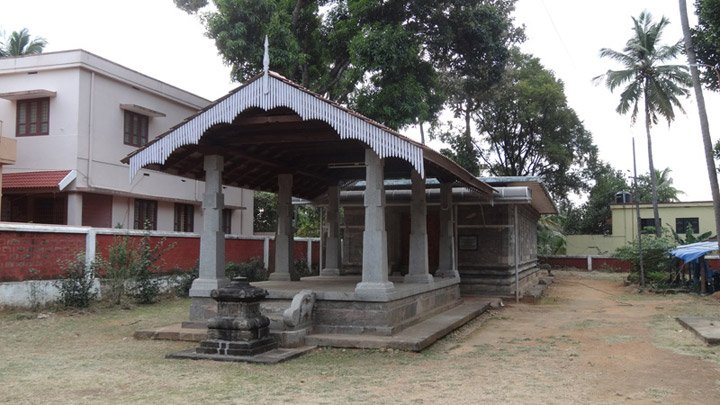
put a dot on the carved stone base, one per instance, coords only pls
(230, 348)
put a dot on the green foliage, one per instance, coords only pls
(382, 58)
(253, 270)
(118, 268)
(594, 216)
(665, 189)
(689, 236)
(146, 287)
(300, 269)
(524, 128)
(706, 39)
(550, 238)
(657, 262)
(307, 221)
(265, 212)
(184, 280)
(648, 79)
(76, 283)
(19, 43)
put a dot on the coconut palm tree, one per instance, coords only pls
(646, 80)
(19, 43)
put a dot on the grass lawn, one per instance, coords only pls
(590, 340)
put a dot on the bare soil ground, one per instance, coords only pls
(590, 340)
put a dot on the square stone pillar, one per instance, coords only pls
(74, 209)
(212, 243)
(418, 267)
(331, 266)
(446, 241)
(284, 233)
(375, 283)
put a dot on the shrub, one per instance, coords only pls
(119, 268)
(146, 287)
(76, 284)
(185, 280)
(657, 262)
(252, 269)
(300, 269)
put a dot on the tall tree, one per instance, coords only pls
(706, 20)
(383, 58)
(666, 191)
(20, 43)
(648, 80)
(706, 41)
(525, 128)
(594, 216)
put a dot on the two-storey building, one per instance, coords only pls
(74, 115)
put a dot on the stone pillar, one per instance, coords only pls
(375, 283)
(212, 243)
(331, 266)
(284, 233)
(418, 267)
(74, 209)
(446, 242)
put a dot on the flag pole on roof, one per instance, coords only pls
(266, 66)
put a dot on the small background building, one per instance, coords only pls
(74, 115)
(677, 216)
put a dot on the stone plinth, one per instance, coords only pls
(239, 329)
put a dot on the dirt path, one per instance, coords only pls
(598, 341)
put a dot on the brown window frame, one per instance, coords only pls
(184, 217)
(35, 119)
(136, 133)
(145, 211)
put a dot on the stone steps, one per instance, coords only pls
(414, 338)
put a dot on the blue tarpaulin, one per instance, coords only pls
(693, 251)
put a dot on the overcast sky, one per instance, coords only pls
(157, 39)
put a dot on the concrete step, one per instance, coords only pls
(414, 338)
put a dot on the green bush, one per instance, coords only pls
(146, 287)
(657, 262)
(252, 269)
(300, 269)
(77, 281)
(118, 268)
(184, 280)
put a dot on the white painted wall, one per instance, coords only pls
(86, 132)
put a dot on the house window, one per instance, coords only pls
(135, 129)
(184, 214)
(647, 225)
(145, 214)
(33, 117)
(682, 224)
(227, 220)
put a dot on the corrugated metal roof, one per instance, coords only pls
(42, 180)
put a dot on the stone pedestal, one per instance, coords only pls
(239, 329)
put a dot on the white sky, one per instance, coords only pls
(159, 40)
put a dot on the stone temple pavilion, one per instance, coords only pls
(273, 135)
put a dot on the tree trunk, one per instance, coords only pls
(653, 175)
(702, 112)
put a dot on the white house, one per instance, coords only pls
(74, 115)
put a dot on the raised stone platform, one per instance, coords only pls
(707, 329)
(413, 338)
